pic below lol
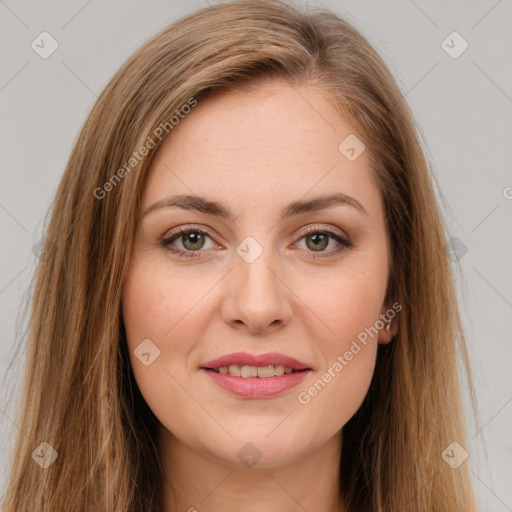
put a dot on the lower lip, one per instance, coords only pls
(255, 387)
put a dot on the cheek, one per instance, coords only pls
(165, 309)
(157, 305)
(348, 307)
(340, 385)
(348, 304)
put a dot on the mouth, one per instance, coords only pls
(246, 365)
(256, 376)
(261, 372)
(247, 385)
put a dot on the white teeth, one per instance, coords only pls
(262, 372)
(279, 369)
(266, 371)
(249, 371)
(234, 369)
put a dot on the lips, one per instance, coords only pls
(256, 376)
(247, 359)
(256, 388)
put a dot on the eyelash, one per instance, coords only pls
(166, 242)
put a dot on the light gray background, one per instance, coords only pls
(463, 105)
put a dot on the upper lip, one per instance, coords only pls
(246, 359)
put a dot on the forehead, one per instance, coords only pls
(264, 145)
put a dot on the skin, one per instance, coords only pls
(256, 149)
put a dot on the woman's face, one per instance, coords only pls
(262, 271)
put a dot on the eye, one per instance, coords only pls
(192, 241)
(317, 240)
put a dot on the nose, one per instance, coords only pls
(257, 298)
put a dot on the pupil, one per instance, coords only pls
(194, 238)
(319, 240)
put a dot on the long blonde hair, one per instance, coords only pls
(79, 394)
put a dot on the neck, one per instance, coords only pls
(194, 481)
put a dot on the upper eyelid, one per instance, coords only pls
(182, 230)
(335, 231)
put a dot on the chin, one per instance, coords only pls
(265, 447)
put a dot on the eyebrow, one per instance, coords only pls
(203, 205)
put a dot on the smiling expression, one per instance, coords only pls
(286, 252)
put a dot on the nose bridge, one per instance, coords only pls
(257, 284)
(257, 297)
